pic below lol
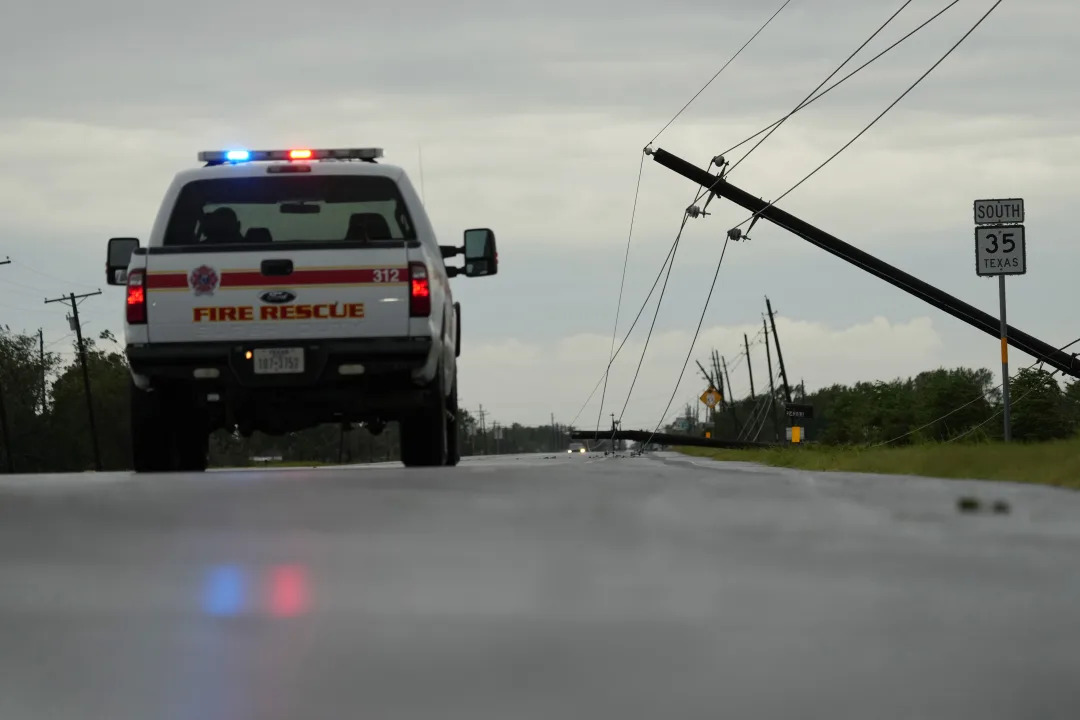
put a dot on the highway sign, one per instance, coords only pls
(711, 398)
(1000, 250)
(997, 212)
(795, 410)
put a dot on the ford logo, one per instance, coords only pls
(277, 297)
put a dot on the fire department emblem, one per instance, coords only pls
(203, 280)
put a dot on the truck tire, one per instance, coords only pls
(150, 435)
(167, 433)
(423, 432)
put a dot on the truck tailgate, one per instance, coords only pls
(265, 294)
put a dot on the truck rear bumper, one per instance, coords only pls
(229, 362)
(219, 377)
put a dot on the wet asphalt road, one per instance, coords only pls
(535, 587)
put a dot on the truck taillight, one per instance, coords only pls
(136, 297)
(419, 290)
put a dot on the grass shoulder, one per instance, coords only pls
(1051, 463)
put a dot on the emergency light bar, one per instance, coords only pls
(217, 157)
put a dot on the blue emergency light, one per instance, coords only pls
(218, 157)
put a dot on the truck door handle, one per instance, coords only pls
(276, 268)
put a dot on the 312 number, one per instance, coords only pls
(390, 275)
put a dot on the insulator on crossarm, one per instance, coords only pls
(694, 211)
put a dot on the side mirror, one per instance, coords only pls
(118, 258)
(481, 256)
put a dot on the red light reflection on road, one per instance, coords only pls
(289, 593)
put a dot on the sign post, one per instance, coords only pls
(1001, 249)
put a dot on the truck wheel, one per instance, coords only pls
(423, 433)
(150, 435)
(192, 445)
(167, 434)
(453, 446)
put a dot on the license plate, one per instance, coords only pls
(278, 361)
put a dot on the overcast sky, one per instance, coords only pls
(532, 117)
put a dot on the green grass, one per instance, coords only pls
(1051, 463)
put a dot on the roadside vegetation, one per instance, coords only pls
(942, 423)
(1054, 463)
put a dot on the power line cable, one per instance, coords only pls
(820, 85)
(717, 74)
(47, 276)
(656, 313)
(844, 79)
(973, 400)
(622, 284)
(697, 331)
(626, 337)
(874, 122)
(998, 412)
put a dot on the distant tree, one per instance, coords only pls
(1040, 410)
(1072, 404)
(23, 375)
(951, 401)
(69, 422)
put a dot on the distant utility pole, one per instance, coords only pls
(727, 379)
(8, 450)
(483, 431)
(554, 434)
(72, 301)
(41, 353)
(10, 460)
(748, 367)
(772, 387)
(779, 353)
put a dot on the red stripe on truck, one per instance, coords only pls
(255, 279)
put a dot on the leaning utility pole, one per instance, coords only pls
(748, 366)
(779, 354)
(72, 300)
(716, 185)
(772, 387)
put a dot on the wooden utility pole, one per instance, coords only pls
(72, 300)
(734, 412)
(772, 387)
(41, 353)
(779, 354)
(8, 450)
(748, 367)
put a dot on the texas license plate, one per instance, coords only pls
(278, 361)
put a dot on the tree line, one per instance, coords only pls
(45, 419)
(943, 405)
(45, 416)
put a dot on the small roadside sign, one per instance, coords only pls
(711, 398)
(997, 212)
(1000, 250)
(795, 410)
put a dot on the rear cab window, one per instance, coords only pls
(291, 210)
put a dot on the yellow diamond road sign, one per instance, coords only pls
(711, 398)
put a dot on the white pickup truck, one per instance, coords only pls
(282, 289)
